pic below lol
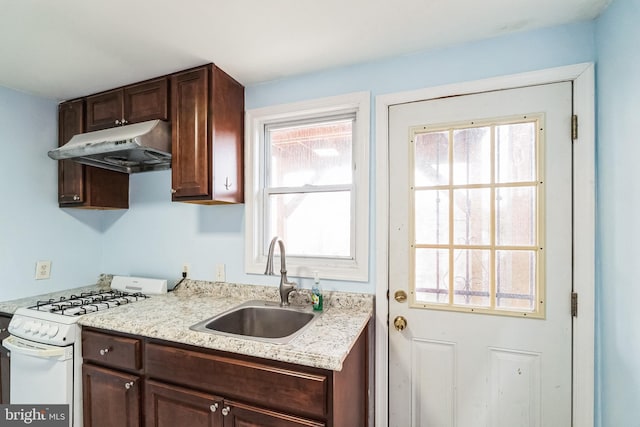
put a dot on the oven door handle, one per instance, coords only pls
(15, 344)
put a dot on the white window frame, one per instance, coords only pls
(351, 269)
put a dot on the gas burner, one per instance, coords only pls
(87, 302)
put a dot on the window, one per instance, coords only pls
(477, 224)
(307, 182)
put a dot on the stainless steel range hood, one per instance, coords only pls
(139, 147)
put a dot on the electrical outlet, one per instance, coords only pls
(186, 268)
(43, 270)
(220, 276)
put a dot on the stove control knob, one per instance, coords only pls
(44, 328)
(15, 324)
(28, 326)
(35, 328)
(52, 331)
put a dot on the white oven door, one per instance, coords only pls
(40, 373)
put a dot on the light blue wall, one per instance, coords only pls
(156, 236)
(32, 227)
(618, 232)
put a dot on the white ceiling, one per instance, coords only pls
(67, 48)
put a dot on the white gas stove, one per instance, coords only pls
(45, 344)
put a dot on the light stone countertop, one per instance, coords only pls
(325, 344)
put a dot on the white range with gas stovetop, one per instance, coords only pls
(45, 343)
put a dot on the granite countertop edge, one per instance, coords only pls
(325, 344)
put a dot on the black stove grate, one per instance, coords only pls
(87, 302)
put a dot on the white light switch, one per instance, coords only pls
(43, 270)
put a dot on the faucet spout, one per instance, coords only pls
(286, 287)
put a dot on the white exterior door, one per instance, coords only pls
(481, 245)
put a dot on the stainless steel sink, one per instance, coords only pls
(260, 320)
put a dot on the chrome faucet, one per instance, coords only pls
(286, 287)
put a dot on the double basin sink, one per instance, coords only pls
(260, 320)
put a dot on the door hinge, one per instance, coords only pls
(574, 304)
(387, 293)
(574, 127)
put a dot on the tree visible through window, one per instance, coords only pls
(307, 182)
(308, 194)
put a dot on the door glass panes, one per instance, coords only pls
(471, 277)
(432, 216)
(432, 275)
(432, 158)
(472, 155)
(515, 216)
(516, 152)
(472, 216)
(516, 279)
(476, 227)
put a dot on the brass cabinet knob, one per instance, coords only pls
(128, 385)
(400, 296)
(214, 407)
(226, 410)
(400, 323)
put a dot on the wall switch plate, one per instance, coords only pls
(43, 270)
(220, 276)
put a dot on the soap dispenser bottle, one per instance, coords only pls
(316, 293)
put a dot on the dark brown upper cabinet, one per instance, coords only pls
(130, 104)
(207, 119)
(81, 186)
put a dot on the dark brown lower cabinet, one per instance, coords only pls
(168, 405)
(171, 406)
(187, 386)
(240, 415)
(4, 361)
(110, 398)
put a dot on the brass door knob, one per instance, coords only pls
(400, 323)
(400, 296)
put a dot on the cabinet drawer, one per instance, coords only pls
(290, 390)
(112, 350)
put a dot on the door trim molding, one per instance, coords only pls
(583, 78)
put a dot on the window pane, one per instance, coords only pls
(432, 217)
(471, 280)
(516, 279)
(312, 224)
(432, 275)
(516, 216)
(472, 156)
(432, 159)
(515, 152)
(311, 154)
(472, 216)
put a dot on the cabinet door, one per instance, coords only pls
(4, 361)
(110, 398)
(146, 101)
(70, 173)
(190, 174)
(105, 110)
(240, 415)
(170, 406)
